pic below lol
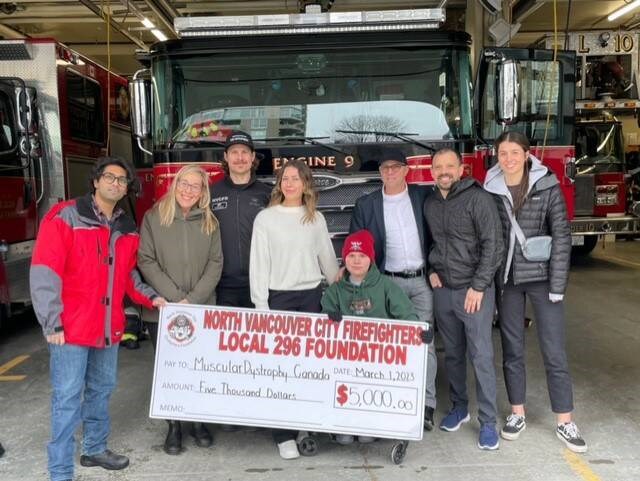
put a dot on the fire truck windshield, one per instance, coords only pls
(271, 94)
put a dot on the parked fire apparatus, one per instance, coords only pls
(333, 88)
(59, 113)
(607, 92)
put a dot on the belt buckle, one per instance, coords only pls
(408, 273)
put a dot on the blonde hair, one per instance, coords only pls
(167, 204)
(309, 194)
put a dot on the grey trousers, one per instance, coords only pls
(461, 333)
(419, 292)
(551, 337)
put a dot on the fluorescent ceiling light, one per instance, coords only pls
(624, 10)
(159, 35)
(147, 23)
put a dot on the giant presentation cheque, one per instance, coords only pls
(290, 370)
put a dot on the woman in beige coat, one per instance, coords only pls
(180, 256)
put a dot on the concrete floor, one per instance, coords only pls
(603, 344)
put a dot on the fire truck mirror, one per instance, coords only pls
(508, 92)
(23, 107)
(140, 92)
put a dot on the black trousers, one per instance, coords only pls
(234, 296)
(152, 327)
(307, 300)
(550, 327)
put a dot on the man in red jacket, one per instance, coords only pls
(83, 264)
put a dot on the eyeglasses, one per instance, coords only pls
(186, 186)
(109, 178)
(388, 168)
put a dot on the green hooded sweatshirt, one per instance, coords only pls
(377, 296)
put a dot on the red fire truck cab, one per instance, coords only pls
(59, 112)
(331, 88)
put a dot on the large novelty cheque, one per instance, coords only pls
(290, 370)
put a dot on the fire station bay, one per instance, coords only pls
(320, 239)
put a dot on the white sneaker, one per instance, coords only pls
(365, 439)
(288, 450)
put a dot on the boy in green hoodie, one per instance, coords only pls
(365, 292)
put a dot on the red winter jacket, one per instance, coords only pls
(80, 271)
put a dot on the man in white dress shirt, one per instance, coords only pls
(394, 217)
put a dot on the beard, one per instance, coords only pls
(446, 186)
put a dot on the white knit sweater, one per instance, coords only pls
(287, 255)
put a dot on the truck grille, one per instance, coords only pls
(345, 195)
(585, 191)
(338, 221)
(336, 204)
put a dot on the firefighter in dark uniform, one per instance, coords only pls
(236, 201)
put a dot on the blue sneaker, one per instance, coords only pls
(488, 438)
(456, 418)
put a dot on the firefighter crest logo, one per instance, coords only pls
(181, 328)
(360, 307)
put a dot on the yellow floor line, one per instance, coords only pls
(12, 378)
(13, 363)
(622, 261)
(579, 466)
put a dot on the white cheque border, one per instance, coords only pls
(196, 379)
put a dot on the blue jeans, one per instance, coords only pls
(82, 380)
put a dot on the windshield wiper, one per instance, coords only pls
(309, 140)
(398, 135)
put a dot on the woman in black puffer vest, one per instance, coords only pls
(533, 195)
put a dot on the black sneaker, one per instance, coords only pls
(514, 426)
(568, 433)
(428, 418)
(106, 460)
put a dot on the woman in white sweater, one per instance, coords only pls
(291, 252)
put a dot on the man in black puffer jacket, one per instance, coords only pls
(467, 235)
(235, 201)
(466, 251)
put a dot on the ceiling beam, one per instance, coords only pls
(160, 15)
(48, 19)
(167, 7)
(94, 49)
(10, 33)
(91, 6)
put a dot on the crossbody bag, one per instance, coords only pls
(534, 249)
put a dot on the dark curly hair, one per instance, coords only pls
(103, 162)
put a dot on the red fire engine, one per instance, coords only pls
(332, 87)
(606, 92)
(59, 113)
